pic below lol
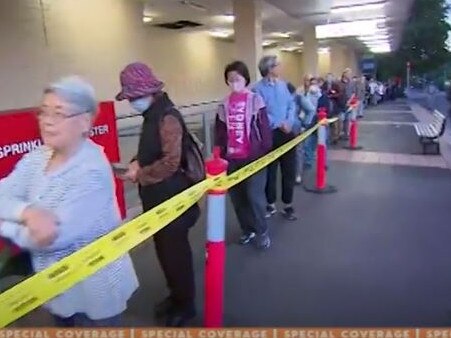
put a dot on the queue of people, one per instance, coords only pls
(60, 197)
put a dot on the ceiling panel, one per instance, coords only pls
(280, 15)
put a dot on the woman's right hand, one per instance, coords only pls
(41, 224)
(132, 172)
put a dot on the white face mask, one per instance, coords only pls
(142, 104)
(238, 85)
(314, 89)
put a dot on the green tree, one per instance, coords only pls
(423, 42)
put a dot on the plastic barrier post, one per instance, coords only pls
(215, 250)
(353, 129)
(321, 186)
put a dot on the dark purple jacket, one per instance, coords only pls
(260, 137)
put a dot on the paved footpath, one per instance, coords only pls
(376, 253)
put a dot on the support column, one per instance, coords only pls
(353, 61)
(310, 51)
(248, 34)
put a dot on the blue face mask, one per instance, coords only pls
(142, 104)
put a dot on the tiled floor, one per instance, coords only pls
(388, 158)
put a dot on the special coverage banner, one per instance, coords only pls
(229, 333)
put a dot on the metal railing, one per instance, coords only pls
(198, 122)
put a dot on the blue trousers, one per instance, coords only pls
(305, 154)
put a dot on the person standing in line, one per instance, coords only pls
(332, 90)
(242, 132)
(59, 198)
(281, 112)
(373, 92)
(347, 89)
(360, 87)
(303, 107)
(160, 169)
(318, 101)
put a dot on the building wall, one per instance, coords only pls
(96, 39)
(324, 64)
(291, 64)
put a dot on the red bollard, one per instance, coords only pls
(353, 128)
(215, 249)
(321, 186)
(321, 153)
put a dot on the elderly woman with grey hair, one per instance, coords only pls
(61, 197)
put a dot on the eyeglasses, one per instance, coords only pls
(56, 116)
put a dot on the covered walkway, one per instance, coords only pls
(376, 253)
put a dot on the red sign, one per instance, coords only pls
(19, 134)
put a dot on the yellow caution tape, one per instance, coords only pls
(61, 276)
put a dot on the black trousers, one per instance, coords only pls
(287, 164)
(176, 260)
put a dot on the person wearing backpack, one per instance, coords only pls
(162, 169)
(242, 132)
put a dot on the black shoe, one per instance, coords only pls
(179, 318)
(288, 213)
(263, 242)
(164, 308)
(247, 238)
(270, 211)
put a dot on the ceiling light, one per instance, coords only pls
(380, 49)
(373, 37)
(284, 35)
(221, 33)
(379, 45)
(228, 18)
(267, 43)
(349, 28)
(147, 19)
(376, 42)
(358, 8)
(289, 49)
(323, 50)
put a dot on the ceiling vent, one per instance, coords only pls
(181, 24)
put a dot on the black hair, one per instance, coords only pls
(291, 88)
(239, 67)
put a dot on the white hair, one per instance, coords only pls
(75, 91)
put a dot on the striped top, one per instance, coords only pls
(82, 195)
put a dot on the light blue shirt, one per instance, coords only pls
(81, 194)
(279, 102)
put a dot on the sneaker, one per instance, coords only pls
(180, 318)
(288, 213)
(298, 180)
(270, 210)
(263, 242)
(247, 238)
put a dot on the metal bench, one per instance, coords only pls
(429, 134)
